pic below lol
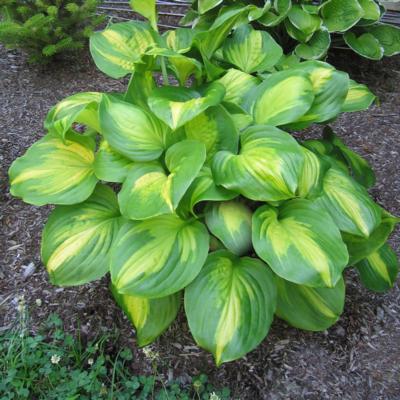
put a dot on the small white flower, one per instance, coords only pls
(38, 302)
(214, 396)
(21, 305)
(150, 353)
(55, 359)
(90, 361)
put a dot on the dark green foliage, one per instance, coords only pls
(46, 28)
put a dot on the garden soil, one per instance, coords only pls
(358, 358)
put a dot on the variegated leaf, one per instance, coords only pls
(359, 98)
(55, 171)
(378, 272)
(158, 257)
(388, 37)
(316, 47)
(147, 8)
(230, 222)
(267, 167)
(308, 308)
(149, 190)
(77, 240)
(341, 15)
(300, 242)
(150, 317)
(230, 305)
(131, 131)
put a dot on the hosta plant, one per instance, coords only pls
(199, 190)
(308, 28)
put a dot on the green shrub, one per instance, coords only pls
(54, 365)
(217, 200)
(307, 27)
(46, 28)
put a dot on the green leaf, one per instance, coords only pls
(230, 305)
(359, 98)
(341, 15)
(149, 190)
(77, 239)
(371, 10)
(80, 107)
(267, 167)
(312, 175)
(378, 272)
(147, 8)
(365, 45)
(180, 39)
(140, 86)
(359, 167)
(216, 129)
(131, 131)
(118, 48)
(300, 242)
(204, 188)
(158, 257)
(109, 165)
(311, 309)
(55, 171)
(276, 14)
(207, 5)
(349, 204)
(388, 37)
(304, 21)
(251, 50)
(330, 90)
(282, 98)
(150, 317)
(230, 222)
(178, 105)
(317, 47)
(360, 248)
(237, 85)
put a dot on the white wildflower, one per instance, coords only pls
(21, 305)
(38, 302)
(214, 396)
(55, 359)
(90, 361)
(150, 353)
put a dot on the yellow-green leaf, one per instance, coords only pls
(147, 8)
(359, 98)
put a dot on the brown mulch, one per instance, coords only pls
(358, 358)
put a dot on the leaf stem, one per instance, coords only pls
(164, 72)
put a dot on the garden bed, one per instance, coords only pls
(355, 359)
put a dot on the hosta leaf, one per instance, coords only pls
(330, 90)
(360, 169)
(359, 98)
(371, 10)
(204, 188)
(109, 165)
(276, 14)
(366, 45)
(230, 305)
(150, 317)
(237, 85)
(81, 107)
(312, 175)
(216, 129)
(130, 130)
(267, 167)
(77, 239)
(117, 49)
(282, 98)
(147, 8)
(388, 37)
(149, 190)
(295, 33)
(349, 204)
(378, 272)
(207, 5)
(300, 242)
(304, 21)
(251, 50)
(158, 257)
(141, 84)
(311, 309)
(316, 47)
(341, 15)
(230, 222)
(55, 171)
(178, 105)
(180, 39)
(360, 248)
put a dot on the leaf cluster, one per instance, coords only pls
(217, 200)
(308, 28)
(46, 28)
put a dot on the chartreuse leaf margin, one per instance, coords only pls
(199, 190)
